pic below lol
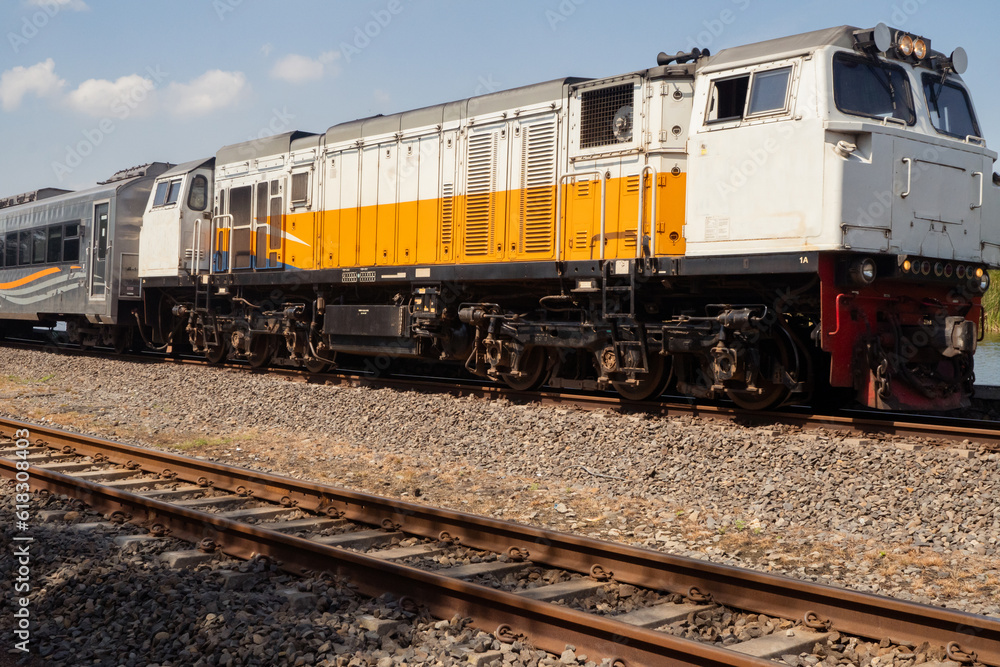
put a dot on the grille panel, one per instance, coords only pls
(598, 110)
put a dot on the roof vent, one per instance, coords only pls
(28, 197)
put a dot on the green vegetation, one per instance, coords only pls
(991, 302)
(203, 442)
(20, 380)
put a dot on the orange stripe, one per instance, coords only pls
(27, 279)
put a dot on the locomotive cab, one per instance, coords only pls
(176, 226)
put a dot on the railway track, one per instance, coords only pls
(941, 429)
(356, 535)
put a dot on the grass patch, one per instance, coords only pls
(991, 303)
(16, 379)
(200, 443)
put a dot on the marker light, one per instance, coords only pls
(960, 271)
(916, 268)
(938, 269)
(920, 49)
(907, 264)
(979, 272)
(905, 45)
(949, 270)
(925, 268)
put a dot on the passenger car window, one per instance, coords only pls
(876, 89)
(54, 253)
(11, 250)
(71, 242)
(769, 92)
(38, 246)
(950, 109)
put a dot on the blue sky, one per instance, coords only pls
(88, 87)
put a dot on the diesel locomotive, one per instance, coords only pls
(791, 220)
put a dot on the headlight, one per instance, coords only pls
(905, 46)
(863, 271)
(920, 49)
(984, 282)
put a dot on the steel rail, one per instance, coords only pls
(547, 626)
(889, 424)
(848, 611)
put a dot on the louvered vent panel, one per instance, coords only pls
(447, 213)
(582, 188)
(630, 236)
(581, 238)
(632, 184)
(538, 178)
(479, 204)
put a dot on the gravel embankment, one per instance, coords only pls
(920, 524)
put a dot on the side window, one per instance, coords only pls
(167, 193)
(300, 188)
(161, 194)
(769, 93)
(728, 99)
(174, 192)
(198, 196)
(762, 93)
(11, 249)
(2, 246)
(71, 242)
(54, 252)
(38, 244)
(24, 248)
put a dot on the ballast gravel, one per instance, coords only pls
(887, 515)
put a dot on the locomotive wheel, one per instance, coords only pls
(122, 340)
(217, 354)
(261, 352)
(535, 366)
(651, 384)
(772, 394)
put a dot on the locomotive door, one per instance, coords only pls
(99, 250)
(241, 250)
(267, 225)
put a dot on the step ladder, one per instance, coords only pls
(617, 292)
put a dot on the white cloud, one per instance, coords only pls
(300, 69)
(39, 79)
(211, 91)
(100, 97)
(57, 5)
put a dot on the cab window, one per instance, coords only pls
(872, 88)
(167, 193)
(950, 109)
(762, 93)
(198, 196)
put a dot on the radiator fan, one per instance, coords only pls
(621, 125)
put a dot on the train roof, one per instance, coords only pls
(503, 100)
(277, 144)
(103, 190)
(774, 49)
(186, 167)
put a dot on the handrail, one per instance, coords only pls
(652, 212)
(909, 176)
(196, 247)
(215, 225)
(982, 180)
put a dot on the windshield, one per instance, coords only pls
(951, 112)
(865, 87)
